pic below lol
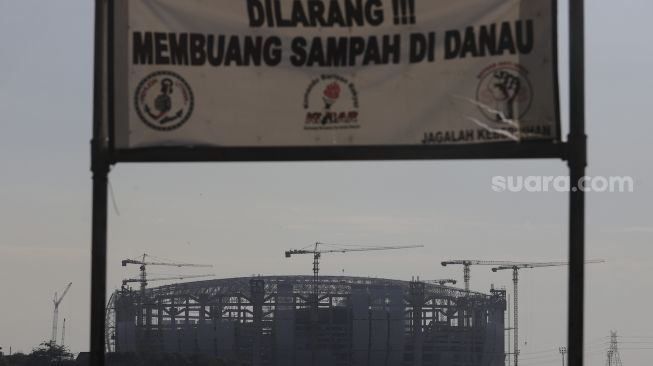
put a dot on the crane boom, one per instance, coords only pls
(541, 264)
(469, 262)
(442, 282)
(131, 261)
(129, 280)
(65, 291)
(125, 262)
(291, 252)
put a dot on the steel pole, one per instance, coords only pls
(515, 312)
(98, 261)
(577, 158)
(100, 170)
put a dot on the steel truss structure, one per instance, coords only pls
(271, 321)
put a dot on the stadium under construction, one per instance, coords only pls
(276, 320)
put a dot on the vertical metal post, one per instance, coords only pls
(509, 329)
(98, 258)
(515, 311)
(100, 170)
(315, 308)
(257, 293)
(416, 296)
(577, 159)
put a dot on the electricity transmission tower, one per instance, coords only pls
(563, 350)
(613, 359)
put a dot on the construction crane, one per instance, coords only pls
(515, 267)
(317, 253)
(442, 282)
(130, 280)
(466, 263)
(55, 319)
(142, 262)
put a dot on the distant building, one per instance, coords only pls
(273, 321)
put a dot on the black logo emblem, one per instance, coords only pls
(164, 101)
(504, 92)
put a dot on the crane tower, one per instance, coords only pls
(515, 267)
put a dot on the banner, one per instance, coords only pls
(284, 73)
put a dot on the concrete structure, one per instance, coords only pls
(271, 321)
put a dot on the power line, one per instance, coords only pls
(622, 342)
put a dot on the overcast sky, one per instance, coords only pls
(241, 217)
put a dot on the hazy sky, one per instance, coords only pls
(241, 217)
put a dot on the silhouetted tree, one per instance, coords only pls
(51, 352)
(45, 354)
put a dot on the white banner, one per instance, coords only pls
(269, 73)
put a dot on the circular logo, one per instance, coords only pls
(504, 93)
(164, 101)
(331, 102)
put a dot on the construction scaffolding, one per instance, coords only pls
(267, 321)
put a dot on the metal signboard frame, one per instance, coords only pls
(103, 155)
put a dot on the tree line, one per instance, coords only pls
(47, 354)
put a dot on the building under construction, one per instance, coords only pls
(277, 321)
